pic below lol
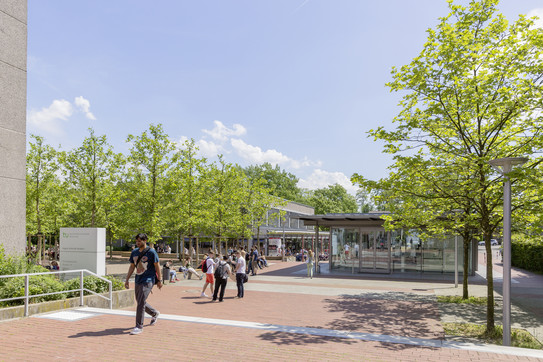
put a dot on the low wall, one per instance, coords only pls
(121, 299)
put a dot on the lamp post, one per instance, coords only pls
(456, 211)
(504, 166)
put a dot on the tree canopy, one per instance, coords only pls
(473, 94)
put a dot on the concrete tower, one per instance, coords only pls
(13, 35)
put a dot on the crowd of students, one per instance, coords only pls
(237, 265)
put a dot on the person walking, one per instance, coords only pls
(253, 260)
(222, 274)
(210, 264)
(144, 260)
(310, 259)
(240, 273)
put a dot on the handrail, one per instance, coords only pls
(81, 288)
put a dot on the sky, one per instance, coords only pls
(297, 83)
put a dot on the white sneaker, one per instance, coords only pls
(203, 295)
(136, 330)
(153, 319)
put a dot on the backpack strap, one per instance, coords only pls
(142, 255)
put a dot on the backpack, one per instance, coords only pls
(204, 266)
(221, 272)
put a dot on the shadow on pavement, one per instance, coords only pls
(105, 332)
(396, 314)
(283, 271)
(284, 338)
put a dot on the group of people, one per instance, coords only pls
(220, 270)
(144, 262)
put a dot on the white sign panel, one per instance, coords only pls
(273, 247)
(83, 248)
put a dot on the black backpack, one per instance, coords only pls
(221, 271)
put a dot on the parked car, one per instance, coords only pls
(493, 242)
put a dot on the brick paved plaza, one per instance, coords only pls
(284, 316)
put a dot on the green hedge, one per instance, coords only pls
(527, 253)
(93, 283)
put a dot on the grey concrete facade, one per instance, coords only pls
(13, 43)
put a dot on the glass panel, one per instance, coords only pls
(449, 254)
(343, 256)
(381, 251)
(367, 241)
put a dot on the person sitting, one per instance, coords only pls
(262, 262)
(173, 273)
(189, 270)
(54, 265)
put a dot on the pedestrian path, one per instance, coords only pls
(284, 316)
(87, 312)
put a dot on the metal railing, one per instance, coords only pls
(81, 288)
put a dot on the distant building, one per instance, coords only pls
(13, 40)
(289, 229)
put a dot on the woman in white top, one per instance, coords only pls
(240, 273)
(310, 258)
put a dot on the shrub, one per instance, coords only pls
(16, 265)
(40, 284)
(527, 253)
(93, 283)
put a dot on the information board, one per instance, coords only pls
(83, 248)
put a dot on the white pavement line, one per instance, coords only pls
(423, 342)
(66, 315)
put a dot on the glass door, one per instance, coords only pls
(374, 252)
(366, 252)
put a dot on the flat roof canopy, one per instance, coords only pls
(355, 219)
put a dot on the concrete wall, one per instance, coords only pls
(13, 40)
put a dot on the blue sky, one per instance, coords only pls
(291, 82)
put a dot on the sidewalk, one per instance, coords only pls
(284, 316)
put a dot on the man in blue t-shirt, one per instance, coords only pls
(145, 261)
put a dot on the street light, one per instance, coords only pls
(456, 252)
(504, 166)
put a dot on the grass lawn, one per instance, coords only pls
(519, 337)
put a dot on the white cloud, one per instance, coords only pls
(209, 148)
(320, 179)
(84, 105)
(539, 13)
(221, 133)
(255, 154)
(48, 119)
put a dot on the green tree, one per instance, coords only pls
(364, 199)
(89, 171)
(146, 182)
(188, 198)
(332, 199)
(223, 185)
(41, 166)
(256, 201)
(281, 183)
(472, 95)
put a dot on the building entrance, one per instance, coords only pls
(360, 250)
(374, 256)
